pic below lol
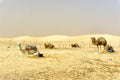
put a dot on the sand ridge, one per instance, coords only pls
(64, 38)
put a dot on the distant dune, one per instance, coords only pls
(82, 38)
(26, 38)
(64, 37)
(54, 38)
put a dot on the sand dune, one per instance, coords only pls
(54, 38)
(80, 39)
(65, 38)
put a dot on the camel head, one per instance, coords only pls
(93, 40)
(19, 46)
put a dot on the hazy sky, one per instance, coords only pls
(63, 17)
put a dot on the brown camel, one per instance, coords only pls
(49, 46)
(100, 41)
(75, 45)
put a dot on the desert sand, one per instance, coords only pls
(62, 63)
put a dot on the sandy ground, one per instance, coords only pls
(62, 63)
(59, 64)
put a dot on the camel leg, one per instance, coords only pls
(104, 49)
(101, 48)
(98, 48)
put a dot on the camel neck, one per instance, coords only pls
(94, 41)
(19, 47)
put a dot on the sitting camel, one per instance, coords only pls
(100, 41)
(49, 46)
(28, 49)
(75, 45)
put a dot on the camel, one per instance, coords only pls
(100, 41)
(75, 45)
(49, 46)
(28, 49)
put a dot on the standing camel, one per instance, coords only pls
(100, 41)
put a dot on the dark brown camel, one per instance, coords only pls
(99, 42)
(49, 46)
(75, 45)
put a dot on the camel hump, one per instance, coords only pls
(101, 39)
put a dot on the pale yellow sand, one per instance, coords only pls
(62, 63)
